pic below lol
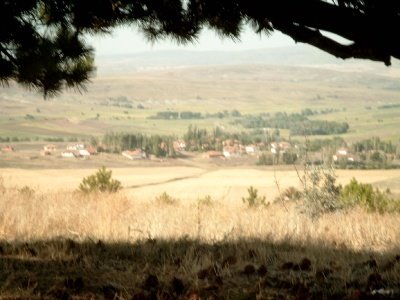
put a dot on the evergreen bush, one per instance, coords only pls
(101, 181)
(253, 200)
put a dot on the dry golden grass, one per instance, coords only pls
(27, 215)
(62, 244)
(190, 182)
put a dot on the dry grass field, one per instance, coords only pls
(134, 213)
(188, 183)
(56, 243)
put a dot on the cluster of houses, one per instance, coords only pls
(137, 154)
(78, 150)
(343, 154)
(72, 151)
(134, 154)
(230, 149)
(7, 148)
(233, 149)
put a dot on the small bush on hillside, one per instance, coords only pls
(26, 192)
(253, 200)
(290, 194)
(289, 158)
(101, 181)
(265, 160)
(205, 201)
(321, 194)
(165, 198)
(364, 195)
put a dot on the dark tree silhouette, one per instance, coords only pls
(42, 44)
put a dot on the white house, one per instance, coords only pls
(68, 154)
(281, 147)
(134, 154)
(250, 149)
(83, 152)
(76, 147)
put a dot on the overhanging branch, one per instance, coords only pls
(7, 54)
(315, 38)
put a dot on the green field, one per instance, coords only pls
(250, 89)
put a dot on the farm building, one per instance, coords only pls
(343, 153)
(68, 154)
(134, 154)
(8, 148)
(231, 151)
(281, 147)
(76, 147)
(83, 153)
(179, 146)
(251, 149)
(92, 150)
(48, 149)
(214, 154)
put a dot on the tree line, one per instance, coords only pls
(298, 124)
(157, 145)
(188, 115)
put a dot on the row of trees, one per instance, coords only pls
(16, 139)
(268, 159)
(310, 112)
(298, 124)
(174, 115)
(317, 127)
(198, 139)
(188, 115)
(160, 146)
(375, 144)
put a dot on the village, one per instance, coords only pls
(230, 150)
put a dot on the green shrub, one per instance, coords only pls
(101, 181)
(253, 200)
(165, 198)
(321, 194)
(291, 193)
(289, 158)
(265, 160)
(364, 195)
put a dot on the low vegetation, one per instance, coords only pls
(156, 251)
(320, 194)
(166, 199)
(364, 195)
(101, 181)
(253, 200)
(297, 123)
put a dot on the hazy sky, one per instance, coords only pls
(130, 40)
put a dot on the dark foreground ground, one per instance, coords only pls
(186, 269)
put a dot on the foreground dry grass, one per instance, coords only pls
(62, 245)
(26, 215)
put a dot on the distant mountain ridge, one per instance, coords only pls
(301, 55)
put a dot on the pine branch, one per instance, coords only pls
(7, 54)
(315, 38)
